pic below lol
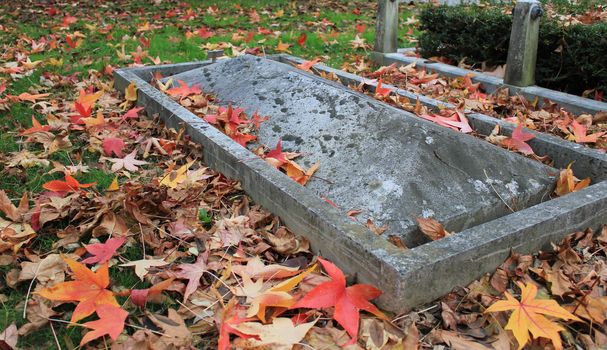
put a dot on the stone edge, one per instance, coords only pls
(402, 275)
(571, 102)
(587, 162)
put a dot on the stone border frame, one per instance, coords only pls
(407, 277)
(587, 162)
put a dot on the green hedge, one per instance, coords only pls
(571, 59)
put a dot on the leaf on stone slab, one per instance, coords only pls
(567, 183)
(432, 228)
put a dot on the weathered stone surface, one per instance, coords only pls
(387, 162)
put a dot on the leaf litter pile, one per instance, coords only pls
(122, 238)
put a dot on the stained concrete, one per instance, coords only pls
(382, 160)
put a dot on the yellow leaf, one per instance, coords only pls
(527, 316)
(130, 93)
(173, 178)
(289, 284)
(114, 185)
(283, 47)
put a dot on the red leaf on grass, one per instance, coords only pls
(113, 145)
(69, 185)
(518, 141)
(347, 301)
(301, 41)
(103, 252)
(36, 127)
(360, 28)
(110, 322)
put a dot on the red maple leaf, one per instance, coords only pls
(204, 33)
(307, 65)
(132, 113)
(301, 41)
(113, 145)
(243, 139)
(69, 185)
(110, 322)
(231, 316)
(36, 127)
(579, 131)
(277, 155)
(382, 91)
(518, 141)
(257, 119)
(184, 90)
(360, 28)
(103, 252)
(347, 301)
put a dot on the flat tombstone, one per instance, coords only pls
(373, 157)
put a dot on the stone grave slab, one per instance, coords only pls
(407, 277)
(384, 161)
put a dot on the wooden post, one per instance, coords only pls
(522, 52)
(386, 31)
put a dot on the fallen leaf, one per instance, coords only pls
(280, 334)
(518, 140)
(432, 228)
(192, 272)
(128, 162)
(110, 322)
(142, 266)
(103, 252)
(567, 183)
(88, 288)
(69, 185)
(347, 301)
(140, 297)
(256, 269)
(527, 316)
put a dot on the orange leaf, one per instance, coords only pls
(110, 322)
(184, 90)
(88, 288)
(69, 185)
(579, 131)
(567, 183)
(527, 316)
(382, 91)
(307, 65)
(36, 127)
(432, 228)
